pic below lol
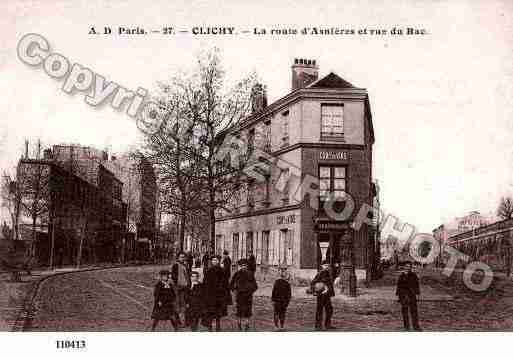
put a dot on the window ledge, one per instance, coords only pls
(333, 138)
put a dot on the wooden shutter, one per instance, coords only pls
(258, 247)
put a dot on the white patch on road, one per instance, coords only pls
(121, 293)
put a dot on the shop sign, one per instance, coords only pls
(291, 218)
(333, 155)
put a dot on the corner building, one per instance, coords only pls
(320, 137)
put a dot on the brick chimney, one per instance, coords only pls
(258, 98)
(304, 72)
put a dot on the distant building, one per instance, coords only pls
(462, 224)
(81, 204)
(140, 194)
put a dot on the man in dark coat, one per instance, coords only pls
(195, 298)
(244, 285)
(216, 291)
(324, 295)
(407, 290)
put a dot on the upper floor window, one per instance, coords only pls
(267, 136)
(251, 141)
(332, 120)
(285, 127)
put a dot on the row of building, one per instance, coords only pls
(87, 206)
(482, 238)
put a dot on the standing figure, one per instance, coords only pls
(194, 302)
(252, 263)
(182, 281)
(281, 298)
(407, 291)
(244, 285)
(164, 306)
(322, 287)
(216, 288)
(227, 264)
(204, 263)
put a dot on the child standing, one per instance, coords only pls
(194, 302)
(244, 285)
(164, 307)
(281, 298)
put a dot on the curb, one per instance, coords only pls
(24, 318)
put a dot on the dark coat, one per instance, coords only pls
(243, 283)
(195, 300)
(174, 273)
(227, 266)
(324, 276)
(166, 297)
(216, 292)
(407, 287)
(281, 292)
(252, 263)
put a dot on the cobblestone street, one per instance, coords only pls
(121, 300)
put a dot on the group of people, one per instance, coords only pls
(182, 299)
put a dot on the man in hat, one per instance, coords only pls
(322, 287)
(244, 285)
(407, 290)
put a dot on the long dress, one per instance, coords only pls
(216, 289)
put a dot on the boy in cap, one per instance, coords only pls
(322, 287)
(244, 285)
(164, 306)
(281, 298)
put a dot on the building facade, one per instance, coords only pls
(316, 146)
(82, 216)
(140, 194)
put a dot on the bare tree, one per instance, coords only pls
(11, 200)
(33, 183)
(505, 210)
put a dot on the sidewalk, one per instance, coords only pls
(16, 297)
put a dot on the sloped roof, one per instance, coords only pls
(331, 80)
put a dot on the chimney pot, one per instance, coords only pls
(304, 72)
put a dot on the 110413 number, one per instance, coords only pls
(70, 344)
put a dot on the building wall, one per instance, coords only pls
(279, 252)
(353, 120)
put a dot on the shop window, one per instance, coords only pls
(249, 243)
(265, 247)
(332, 121)
(235, 246)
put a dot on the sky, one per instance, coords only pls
(442, 103)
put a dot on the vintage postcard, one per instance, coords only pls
(237, 166)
